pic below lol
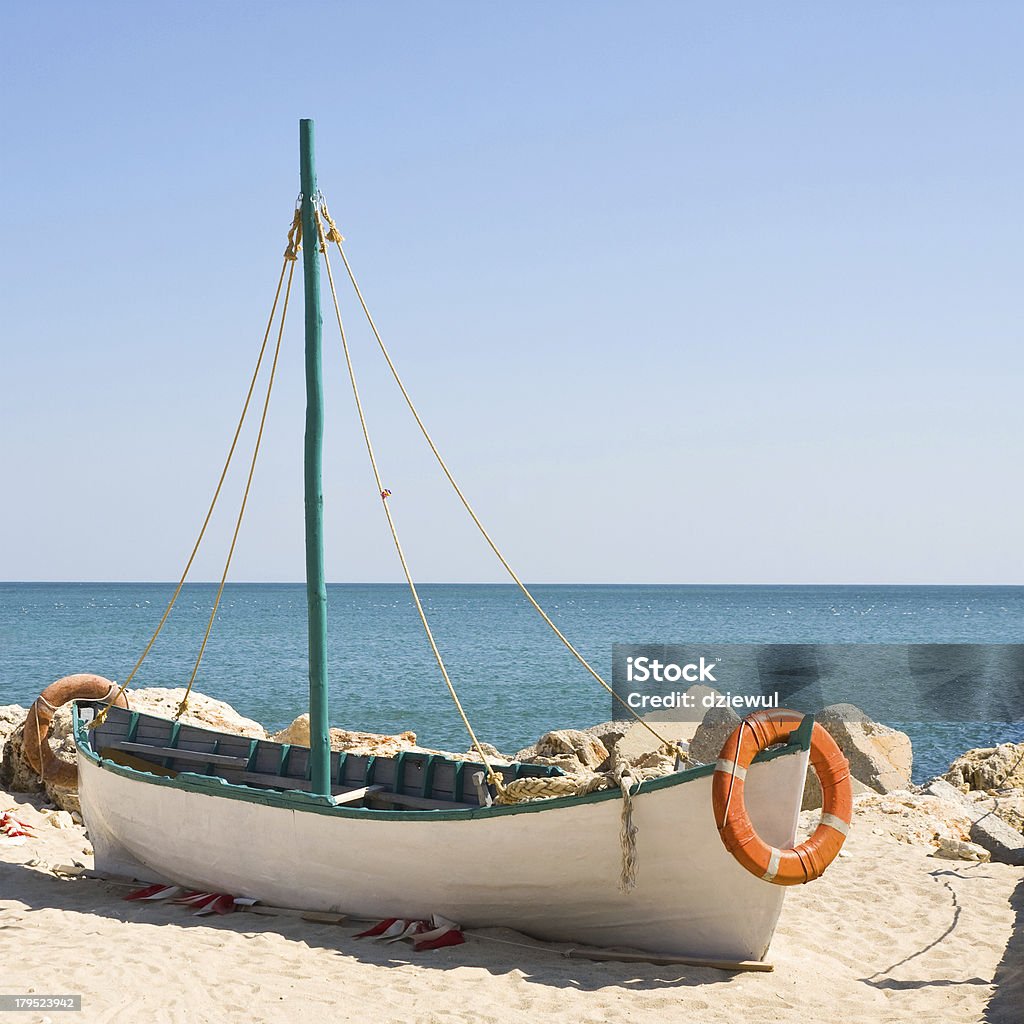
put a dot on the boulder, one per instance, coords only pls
(12, 716)
(60, 819)
(1005, 844)
(1010, 809)
(913, 818)
(609, 733)
(879, 757)
(379, 744)
(17, 776)
(15, 773)
(1004, 803)
(588, 750)
(944, 791)
(638, 740)
(574, 751)
(957, 849)
(715, 728)
(492, 752)
(987, 768)
(812, 790)
(204, 711)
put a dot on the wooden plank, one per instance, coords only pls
(350, 796)
(340, 794)
(482, 792)
(419, 802)
(592, 953)
(317, 916)
(138, 763)
(180, 754)
(277, 781)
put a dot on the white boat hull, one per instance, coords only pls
(549, 870)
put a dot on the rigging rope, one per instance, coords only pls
(492, 776)
(335, 236)
(182, 707)
(294, 237)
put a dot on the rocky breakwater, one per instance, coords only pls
(988, 783)
(17, 775)
(345, 739)
(881, 758)
(974, 813)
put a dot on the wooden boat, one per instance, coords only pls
(418, 834)
(407, 836)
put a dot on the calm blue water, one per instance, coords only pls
(514, 678)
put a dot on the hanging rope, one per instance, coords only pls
(294, 237)
(492, 776)
(183, 706)
(623, 777)
(335, 236)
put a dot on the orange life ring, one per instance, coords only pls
(35, 747)
(808, 860)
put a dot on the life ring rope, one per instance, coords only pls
(789, 865)
(37, 751)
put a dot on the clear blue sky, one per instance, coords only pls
(687, 292)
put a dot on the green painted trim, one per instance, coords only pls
(318, 804)
(133, 726)
(371, 767)
(459, 795)
(802, 734)
(254, 746)
(172, 740)
(428, 774)
(342, 760)
(400, 759)
(316, 587)
(282, 762)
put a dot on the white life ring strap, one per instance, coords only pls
(835, 822)
(731, 768)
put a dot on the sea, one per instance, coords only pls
(514, 677)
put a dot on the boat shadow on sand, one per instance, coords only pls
(1005, 1005)
(498, 951)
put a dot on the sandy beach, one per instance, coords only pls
(891, 933)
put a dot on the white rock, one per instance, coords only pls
(956, 849)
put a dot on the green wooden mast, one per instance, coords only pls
(316, 588)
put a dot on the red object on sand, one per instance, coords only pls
(11, 826)
(425, 935)
(377, 929)
(203, 902)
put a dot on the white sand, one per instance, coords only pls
(889, 934)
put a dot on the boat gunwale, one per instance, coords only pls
(290, 799)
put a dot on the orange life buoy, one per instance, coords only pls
(791, 866)
(37, 752)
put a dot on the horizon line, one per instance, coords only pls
(485, 583)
